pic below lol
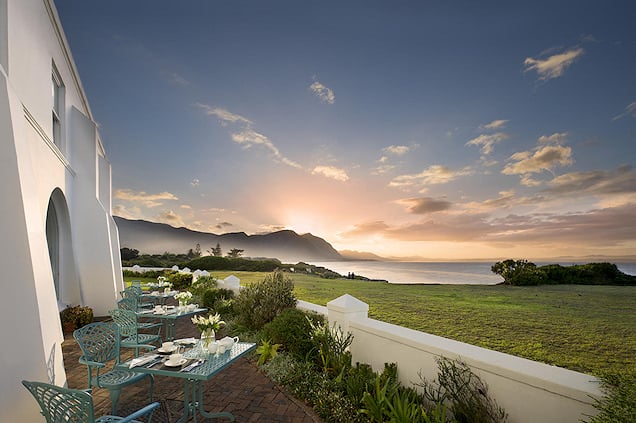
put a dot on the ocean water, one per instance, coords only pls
(464, 273)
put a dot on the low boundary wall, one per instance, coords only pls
(529, 391)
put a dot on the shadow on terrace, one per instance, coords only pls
(240, 389)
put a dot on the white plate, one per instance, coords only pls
(162, 350)
(177, 364)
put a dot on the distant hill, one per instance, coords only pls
(287, 246)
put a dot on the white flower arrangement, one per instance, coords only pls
(212, 322)
(184, 297)
(163, 283)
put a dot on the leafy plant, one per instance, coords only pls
(292, 328)
(180, 280)
(464, 392)
(75, 317)
(619, 402)
(266, 351)
(258, 303)
(332, 346)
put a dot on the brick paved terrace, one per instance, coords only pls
(240, 389)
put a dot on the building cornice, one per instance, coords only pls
(48, 141)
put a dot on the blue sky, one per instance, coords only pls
(427, 129)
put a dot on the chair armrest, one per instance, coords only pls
(142, 412)
(82, 360)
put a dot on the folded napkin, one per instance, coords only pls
(186, 341)
(140, 361)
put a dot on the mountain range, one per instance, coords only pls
(285, 245)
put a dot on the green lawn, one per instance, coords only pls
(591, 329)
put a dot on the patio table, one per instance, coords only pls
(193, 379)
(159, 297)
(169, 318)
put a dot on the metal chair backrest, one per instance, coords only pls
(126, 320)
(59, 404)
(128, 304)
(98, 341)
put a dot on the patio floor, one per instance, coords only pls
(240, 389)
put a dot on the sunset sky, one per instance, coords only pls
(432, 129)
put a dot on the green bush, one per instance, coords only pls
(234, 263)
(292, 329)
(258, 303)
(465, 394)
(332, 347)
(180, 280)
(75, 317)
(619, 403)
(220, 300)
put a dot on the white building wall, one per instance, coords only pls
(75, 176)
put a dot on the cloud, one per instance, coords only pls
(397, 150)
(424, 205)
(195, 182)
(223, 225)
(325, 94)
(556, 138)
(186, 206)
(127, 212)
(594, 228)
(495, 124)
(246, 136)
(224, 115)
(630, 110)
(486, 142)
(148, 200)
(619, 181)
(434, 175)
(553, 66)
(249, 138)
(544, 158)
(331, 172)
(176, 78)
(382, 169)
(367, 229)
(171, 218)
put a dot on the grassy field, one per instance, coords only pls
(591, 329)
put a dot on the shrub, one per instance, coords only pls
(201, 286)
(292, 328)
(464, 392)
(75, 317)
(238, 263)
(180, 280)
(619, 402)
(258, 303)
(519, 272)
(332, 345)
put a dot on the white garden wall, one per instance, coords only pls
(529, 391)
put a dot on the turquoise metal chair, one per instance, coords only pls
(100, 344)
(134, 293)
(131, 304)
(130, 331)
(71, 405)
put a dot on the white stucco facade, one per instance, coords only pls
(59, 241)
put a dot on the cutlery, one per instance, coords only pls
(192, 366)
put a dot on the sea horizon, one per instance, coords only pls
(434, 272)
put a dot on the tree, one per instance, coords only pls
(197, 250)
(235, 252)
(519, 272)
(128, 253)
(216, 251)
